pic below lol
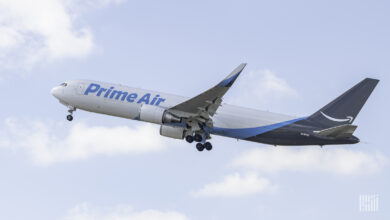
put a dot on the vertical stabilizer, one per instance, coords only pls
(345, 108)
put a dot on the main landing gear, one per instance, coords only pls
(199, 146)
(190, 139)
(71, 109)
(198, 137)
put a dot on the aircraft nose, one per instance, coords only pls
(56, 92)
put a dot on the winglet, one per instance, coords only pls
(229, 80)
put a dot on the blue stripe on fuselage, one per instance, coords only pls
(243, 133)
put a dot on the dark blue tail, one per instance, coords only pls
(345, 108)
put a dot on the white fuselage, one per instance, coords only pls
(122, 101)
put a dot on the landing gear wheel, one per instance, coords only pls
(208, 146)
(71, 109)
(199, 147)
(198, 137)
(189, 139)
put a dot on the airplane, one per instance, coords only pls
(199, 117)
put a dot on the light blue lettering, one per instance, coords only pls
(92, 88)
(118, 95)
(154, 99)
(159, 101)
(132, 97)
(121, 95)
(144, 98)
(108, 92)
(100, 91)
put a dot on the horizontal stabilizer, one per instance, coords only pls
(342, 131)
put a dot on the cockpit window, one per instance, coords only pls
(63, 84)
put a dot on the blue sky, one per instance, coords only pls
(300, 55)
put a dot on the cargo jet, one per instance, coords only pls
(199, 117)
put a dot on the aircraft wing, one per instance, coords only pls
(204, 105)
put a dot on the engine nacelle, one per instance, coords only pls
(172, 132)
(157, 115)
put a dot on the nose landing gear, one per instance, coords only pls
(71, 109)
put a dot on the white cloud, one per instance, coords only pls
(274, 160)
(261, 87)
(48, 143)
(330, 160)
(123, 212)
(235, 185)
(38, 31)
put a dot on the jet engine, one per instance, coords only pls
(172, 132)
(157, 115)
